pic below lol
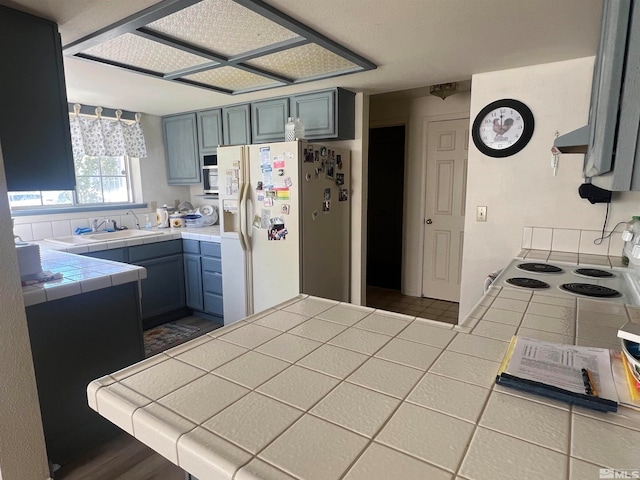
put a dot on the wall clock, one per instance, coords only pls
(502, 128)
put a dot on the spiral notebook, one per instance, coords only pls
(574, 374)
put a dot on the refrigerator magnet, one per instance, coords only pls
(327, 194)
(268, 202)
(308, 155)
(314, 215)
(288, 154)
(265, 217)
(343, 195)
(339, 178)
(281, 172)
(326, 207)
(330, 173)
(286, 208)
(257, 221)
(288, 182)
(339, 161)
(308, 177)
(277, 231)
(316, 156)
(265, 155)
(278, 162)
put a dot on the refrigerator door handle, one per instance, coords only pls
(242, 233)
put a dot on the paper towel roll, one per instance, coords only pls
(29, 261)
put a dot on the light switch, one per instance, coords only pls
(481, 215)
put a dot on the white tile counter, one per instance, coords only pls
(84, 274)
(79, 275)
(319, 390)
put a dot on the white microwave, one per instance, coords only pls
(210, 179)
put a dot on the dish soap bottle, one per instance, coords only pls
(147, 222)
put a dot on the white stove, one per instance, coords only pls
(612, 284)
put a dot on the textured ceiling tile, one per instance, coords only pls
(139, 52)
(231, 78)
(302, 62)
(222, 26)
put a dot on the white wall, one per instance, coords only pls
(520, 190)
(415, 113)
(22, 448)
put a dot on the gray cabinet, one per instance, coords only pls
(181, 149)
(34, 126)
(328, 114)
(75, 340)
(163, 289)
(236, 125)
(267, 120)
(203, 276)
(193, 274)
(209, 131)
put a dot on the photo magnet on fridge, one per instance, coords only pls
(330, 170)
(308, 155)
(339, 178)
(327, 194)
(277, 231)
(326, 207)
(286, 208)
(339, 161)
(343, 195)
(256, 221)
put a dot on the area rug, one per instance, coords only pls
(165, 336)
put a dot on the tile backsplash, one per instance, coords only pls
(572, 241)
(38, 227)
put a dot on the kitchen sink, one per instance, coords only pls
(88, 238)
(120, 234)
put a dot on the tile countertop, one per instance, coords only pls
(314, 389)
(84, 274)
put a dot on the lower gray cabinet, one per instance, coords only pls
(163, 289)
(75, 340)
(203, 276)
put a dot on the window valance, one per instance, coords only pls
(100, 136)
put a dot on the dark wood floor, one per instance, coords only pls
(430, 308)
(123, 458)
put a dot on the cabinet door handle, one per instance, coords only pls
(428, 221)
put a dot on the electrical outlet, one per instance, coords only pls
(481, 215)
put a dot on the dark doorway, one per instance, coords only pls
(385, 207)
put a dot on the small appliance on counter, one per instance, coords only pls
(162, 215)
(29, 261)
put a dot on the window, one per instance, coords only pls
(99, 181)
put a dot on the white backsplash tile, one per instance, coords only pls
(61, 228)
(527, 236)
(565, 240)
(24, 232)
(541, 238)
(587, 238)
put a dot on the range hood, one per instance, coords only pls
(573, 142)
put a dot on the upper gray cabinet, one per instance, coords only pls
(267, 120)
(181, 149)
(210, 131)
(236, 125)
(328, 114)
(34, 127)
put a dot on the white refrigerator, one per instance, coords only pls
(284, 224)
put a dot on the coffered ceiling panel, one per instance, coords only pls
(305, 61)
(231, 46)
(132, 50)
(222, 26)
(230, 78)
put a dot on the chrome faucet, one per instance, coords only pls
(95, 225)
(136, 217)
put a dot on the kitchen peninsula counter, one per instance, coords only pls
(317, 389)
(81, 274)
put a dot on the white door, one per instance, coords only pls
(447, 149)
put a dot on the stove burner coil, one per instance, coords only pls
(527, 282)
(590, 290)
(539, 268)
(593, 272)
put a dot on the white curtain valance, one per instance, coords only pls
(99, 136)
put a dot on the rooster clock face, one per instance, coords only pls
(503, 128)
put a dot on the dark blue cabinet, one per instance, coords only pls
(163, 289)
(34, 125)
(193, 281)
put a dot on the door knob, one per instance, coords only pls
(428, 221)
